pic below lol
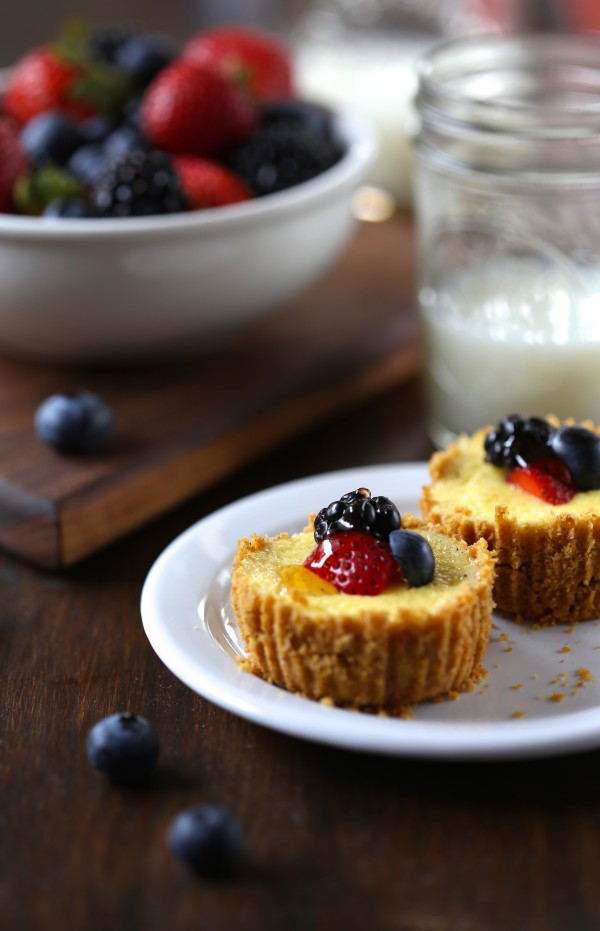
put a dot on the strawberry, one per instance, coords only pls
(40, 81)
(354, 561)
(13, 164)
(548, 479)
(209, 184)
(191, 110)
(256, 60)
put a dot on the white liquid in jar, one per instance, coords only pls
(511, 337)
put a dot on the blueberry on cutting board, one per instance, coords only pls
(74, 423)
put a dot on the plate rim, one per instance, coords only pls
(261, 702)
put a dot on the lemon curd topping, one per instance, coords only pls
(466, 480)
(280, 568)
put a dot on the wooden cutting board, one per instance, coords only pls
(185, 425)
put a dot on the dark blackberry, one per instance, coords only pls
(518, 441)
(357, 510)
(138, 184)
(280, 155)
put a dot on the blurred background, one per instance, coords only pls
(348, 52)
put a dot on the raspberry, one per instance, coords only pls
(354, 561)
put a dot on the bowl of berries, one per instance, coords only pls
(153, 197)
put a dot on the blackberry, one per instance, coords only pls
(357, 510)
(281, 154)
(138, 184)
(518, 441)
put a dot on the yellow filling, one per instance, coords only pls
(475, 484)
(278, 568)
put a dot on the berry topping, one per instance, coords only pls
(549, 480)
(255, 60)
(74, 423)
(280, 155)
(124, 747)
(354, 561)
(579, 449)
(208, 839)
(357, 510)
(138, 184)
(143, 56)
(517, 441)
(414, 555)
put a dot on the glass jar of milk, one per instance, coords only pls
(507, 198)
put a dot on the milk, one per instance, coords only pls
(374, 76)
(511, 337)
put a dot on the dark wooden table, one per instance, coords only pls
(333, 839)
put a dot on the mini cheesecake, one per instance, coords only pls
(548, 555)
(380, 653)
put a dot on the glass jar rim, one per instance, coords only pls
(450, 73)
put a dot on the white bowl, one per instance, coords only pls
(92, 290)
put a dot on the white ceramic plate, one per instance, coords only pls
(541, 695)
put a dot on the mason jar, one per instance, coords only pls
(507, 201)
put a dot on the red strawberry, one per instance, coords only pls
(191, 110)
(549, 480)
(208, 184)
(41, 81)
(254, 59)
(13, 164)
(354, 561)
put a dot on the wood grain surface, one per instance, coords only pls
(183, 425)
(332, 839)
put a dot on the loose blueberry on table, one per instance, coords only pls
(124, 747)
(361, 547)
(207, 838)
(552, 463)
(74, 423)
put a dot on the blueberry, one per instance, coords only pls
(87, 162)
(74, 423)
(579, 449)
(123, 140)
(414, 555)
(50, 137)
(124, 747)
(106, 40)
(96, 128)
(207, 838)
(143, 56)
(68, 207)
